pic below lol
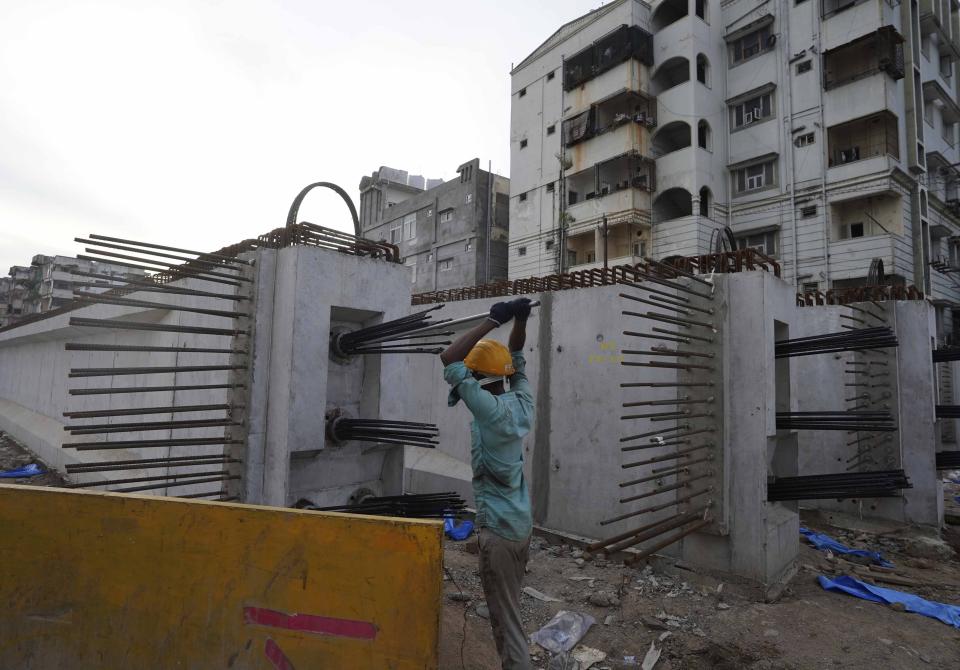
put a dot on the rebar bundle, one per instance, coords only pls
(946, 354)
(948, 460)
(417, 506)
(854, 340)
(383, 431)
(406, 335)
(948, 411)
(880, 484)
(852, 421)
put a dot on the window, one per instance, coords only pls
(638, 249)
(551, 129)
(765, 243)
(550, 187)
(396, 235)
(445, 264)
(523, 92)
(413, 271)
(468, 246)
(521, 251)
(430, 258)
(522, 197)
(928, 113)
(752, 110)
(804, 66)
(701, 9)
(811, 287)
(851, 230)
(753, 44)
(549, 244)
(469, 198)
(808, 212)
(410, 227)
(551, 75)
(703, 135)
(572, 197)
(571, 258)
(754, 177)
(804, 140)
(703, 70)
(591, 256)
(523, 144)
(446, 216)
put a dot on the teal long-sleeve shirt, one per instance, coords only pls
(496, 453)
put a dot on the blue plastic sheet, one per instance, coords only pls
(821, 541)
(457, 531)
(31, 470)
(948, 614)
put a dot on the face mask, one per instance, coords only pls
(486, 381)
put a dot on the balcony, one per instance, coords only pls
(881, 51)
(618, 186)
(875, 136)
(935, 94)
(846, 20)
(672, 72)
(614, 127)
(667, 13)
(623, 44)
(631, 76)
(626, 243)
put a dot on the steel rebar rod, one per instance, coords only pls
(657, 508)
(150, 245)
(151, 463)
(134, 285)
(654, 443)
(666, 318)
(669, 457)
(147, 444)
(145, 410)
(198, 272)
(152, 389)
(664, 489)
(687, 464)
(79, 429)
(671, 366)
(683, 273)
(119, 324)
(117, 372)
(658, 432)
(662, 338)
(686, 400)
(600, 544)
(654, 291)
(154, 478)
(99, 298)
(173, 484)
(678, 310)
(666, 301)
(700, 338)
(667, 385)
(184, 272)
(226, 265)
(673, 523)
(651, 478)
(673, 539)
(676, 353)
(76, 346)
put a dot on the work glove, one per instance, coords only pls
(520, 308)
(500, 313)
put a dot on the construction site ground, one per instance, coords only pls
(698, 620)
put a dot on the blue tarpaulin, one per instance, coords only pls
(457, 531)
(26, 471)
(948, 614)
(821, 541)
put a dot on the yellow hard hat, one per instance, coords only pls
(489, 357)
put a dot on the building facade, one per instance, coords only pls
(823, 132)
(49, 282)
(451, 234)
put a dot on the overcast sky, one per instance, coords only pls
(195, 122)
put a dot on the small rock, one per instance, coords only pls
(472, 546)
(885, 641)
(579, 562)
(723, 606)
(653, 624)
(924, 658)
(673, 623)
(922, 563)
(483, 611)
(603, 599)
(459, 597)
(609, 619)
(897, 607)
(576, 553)
(699, 632)
(588, 557)
(770, 632)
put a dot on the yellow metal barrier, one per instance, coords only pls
(100, 580)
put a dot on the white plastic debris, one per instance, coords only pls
(539, 595)
(650, 660)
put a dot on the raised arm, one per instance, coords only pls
(518, 335)
(500, 313)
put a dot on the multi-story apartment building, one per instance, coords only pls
(451, 234)
(49, 282)
(823, 132)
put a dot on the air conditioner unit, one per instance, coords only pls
(747, 117)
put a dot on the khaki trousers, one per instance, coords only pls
(502, 566)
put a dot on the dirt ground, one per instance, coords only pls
(699, 621)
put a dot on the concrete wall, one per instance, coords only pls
(34, 382)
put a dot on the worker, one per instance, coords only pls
(476, 369)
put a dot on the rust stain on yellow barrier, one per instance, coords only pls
(98, 580)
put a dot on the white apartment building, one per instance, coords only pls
(823, 132)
